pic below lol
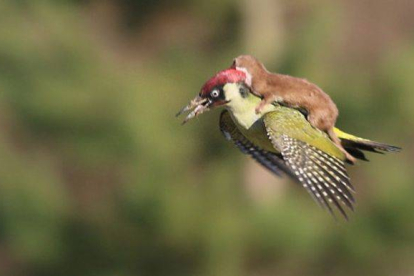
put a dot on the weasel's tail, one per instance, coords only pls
(356, 145)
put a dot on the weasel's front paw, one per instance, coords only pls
(260, 107)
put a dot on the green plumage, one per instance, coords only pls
(292, 123)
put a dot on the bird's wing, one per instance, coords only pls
(269, 160)
(313, 158)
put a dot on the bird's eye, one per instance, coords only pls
(215, 93)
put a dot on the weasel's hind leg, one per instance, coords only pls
(323, 123)
(337, 142)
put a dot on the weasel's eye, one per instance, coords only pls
(215, 93)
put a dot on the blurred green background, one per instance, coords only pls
(97, 176)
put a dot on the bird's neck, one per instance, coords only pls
(243, 110)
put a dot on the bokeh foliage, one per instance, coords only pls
(97, 177)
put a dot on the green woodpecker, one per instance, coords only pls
(281, 139)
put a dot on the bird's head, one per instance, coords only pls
(220, 90)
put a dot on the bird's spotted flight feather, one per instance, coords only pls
(322, 175)
(318, 166)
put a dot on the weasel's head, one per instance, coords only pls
(250, 65)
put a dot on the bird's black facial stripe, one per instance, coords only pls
(216, 94)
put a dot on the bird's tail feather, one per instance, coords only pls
(356, 145)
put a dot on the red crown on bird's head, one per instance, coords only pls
(226, 76)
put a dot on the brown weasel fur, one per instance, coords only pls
(294, 92)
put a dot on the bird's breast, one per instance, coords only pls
(254, 131)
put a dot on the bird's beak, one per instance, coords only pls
(197, 106)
